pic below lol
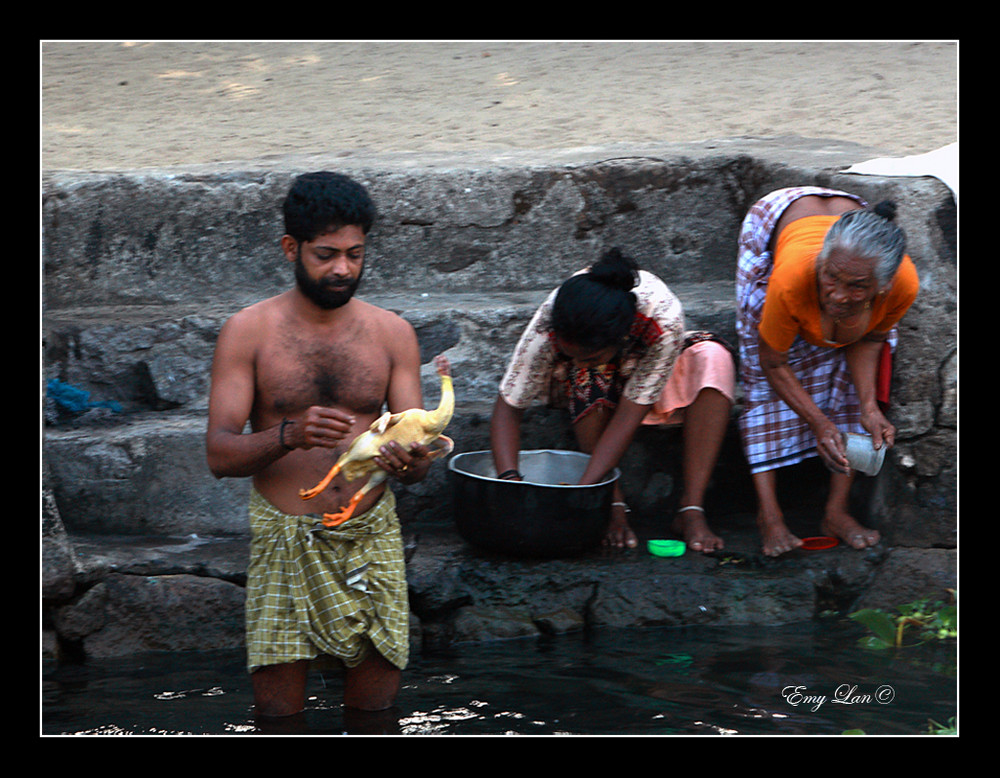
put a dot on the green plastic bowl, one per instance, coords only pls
(666, 547)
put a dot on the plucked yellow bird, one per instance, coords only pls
(406, 428)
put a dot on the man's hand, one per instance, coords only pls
(319, 427)
(408, 465)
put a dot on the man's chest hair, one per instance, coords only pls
(349, 372)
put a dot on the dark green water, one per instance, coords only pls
(808, 679)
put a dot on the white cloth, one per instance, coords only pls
(941, 164)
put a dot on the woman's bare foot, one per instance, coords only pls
(619, 533)
(776, 538)
(690, 523)
(841, 525)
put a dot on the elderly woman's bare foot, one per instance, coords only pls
(841, 525)
(690, 523)
(776, 538)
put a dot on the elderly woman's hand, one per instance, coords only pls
(830, 445)
(879, 427)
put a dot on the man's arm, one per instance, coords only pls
(230, 452)
(404, 392)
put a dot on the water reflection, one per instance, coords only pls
(704, 680)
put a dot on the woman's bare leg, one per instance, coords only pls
(776, 538)
(705, 422)
(837, 519)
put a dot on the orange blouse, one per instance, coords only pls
(792, 304)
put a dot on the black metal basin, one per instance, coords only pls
(545, 515)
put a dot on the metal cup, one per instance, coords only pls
(861, 453)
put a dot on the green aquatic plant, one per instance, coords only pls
(678, 661)
(927, 620)
(933, 728)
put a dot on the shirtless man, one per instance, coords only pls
(310, 369)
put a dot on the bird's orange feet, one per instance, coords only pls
(338, 518)
(308, 494)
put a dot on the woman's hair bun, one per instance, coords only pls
(886, 209)
(595, 309)
(616, 270)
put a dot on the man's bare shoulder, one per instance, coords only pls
(395, 333)
(391, 321)
(257, 313)
(245, 329)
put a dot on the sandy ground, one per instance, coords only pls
(135, 104)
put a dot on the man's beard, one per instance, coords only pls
(325, 293)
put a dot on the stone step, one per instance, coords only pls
(458, 225)
(141, 474)
(157, 357)
(146, 592)
(147, 473)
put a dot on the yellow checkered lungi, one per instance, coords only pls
(312, 590)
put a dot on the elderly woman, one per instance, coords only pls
(822, 281)
(610, 345)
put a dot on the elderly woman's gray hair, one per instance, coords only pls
(872, 234)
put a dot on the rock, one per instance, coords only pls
(476, 625)
(911, 574)
(144, 596)
(59, 567)
(127, 614)
(560, 622)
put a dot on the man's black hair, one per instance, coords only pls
(324, 201)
